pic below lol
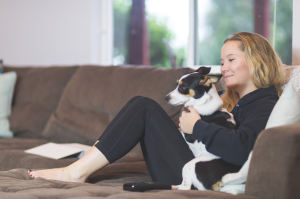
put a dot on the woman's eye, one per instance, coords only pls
(231, 60)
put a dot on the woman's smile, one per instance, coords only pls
(228, 76)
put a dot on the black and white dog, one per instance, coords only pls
(206, 171)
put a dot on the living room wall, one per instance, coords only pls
(51, 32)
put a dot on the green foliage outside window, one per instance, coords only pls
(158, 32)
(223, 19)
(237, 16)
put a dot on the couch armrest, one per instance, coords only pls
(275, 166)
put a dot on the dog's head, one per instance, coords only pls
(193, 86)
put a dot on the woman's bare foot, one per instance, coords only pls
(62, 174)
(79, 171)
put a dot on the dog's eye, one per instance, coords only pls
(181, 88)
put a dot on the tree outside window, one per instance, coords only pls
(145, 37)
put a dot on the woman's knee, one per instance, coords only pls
(133, 99)
(147, 102)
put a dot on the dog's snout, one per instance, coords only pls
(168, 97)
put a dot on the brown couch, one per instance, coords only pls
(75, 104)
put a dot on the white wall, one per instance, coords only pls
(50, 32)
(296, 32)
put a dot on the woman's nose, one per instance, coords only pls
(224, 68)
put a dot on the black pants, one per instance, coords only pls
(143, 120)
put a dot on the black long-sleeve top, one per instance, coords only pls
(251, 114)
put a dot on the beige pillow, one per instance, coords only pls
(292, 76)
(287, 109)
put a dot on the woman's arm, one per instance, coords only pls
(234, 146)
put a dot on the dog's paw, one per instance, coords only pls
(226, 179)
(217, 186)
(182, 187)
(233, 178)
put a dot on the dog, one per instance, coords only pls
(206, 171)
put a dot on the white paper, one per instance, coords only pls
(57, 151)
(84, 148)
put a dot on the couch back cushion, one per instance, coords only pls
(95, 95)
(36, 95)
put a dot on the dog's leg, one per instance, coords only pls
(240, 177)
(187, 173)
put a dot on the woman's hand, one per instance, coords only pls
(188, 120)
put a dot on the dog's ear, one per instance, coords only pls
(210, 79)
(203, 70)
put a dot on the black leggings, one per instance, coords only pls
(145, 121)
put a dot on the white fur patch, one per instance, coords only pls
(231, 119)
(199, 150)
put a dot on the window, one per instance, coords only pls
(219, 18)
(149, 33)
(191, 33)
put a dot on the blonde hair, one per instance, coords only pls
(264, 64)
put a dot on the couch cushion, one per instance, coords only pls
(275, 164)
(20, 143)
(36, 96)
(95, 94)
(108, 184)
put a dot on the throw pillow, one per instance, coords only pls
(287, 109)
(7, 83)
(292, 76)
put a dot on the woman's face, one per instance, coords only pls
(235, 69)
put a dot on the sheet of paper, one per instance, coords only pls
(54, 151)
(83, 147)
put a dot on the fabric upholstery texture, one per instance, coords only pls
(273, 165)
(7, 84)
(95, 94)
(106, 183)
(36, 96)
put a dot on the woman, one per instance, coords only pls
(253, 73)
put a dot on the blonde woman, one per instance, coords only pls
(252, 72)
